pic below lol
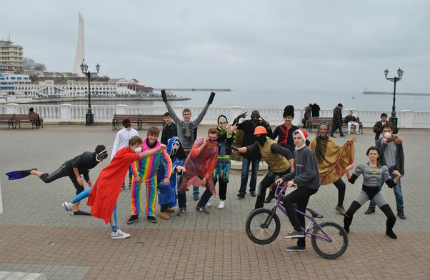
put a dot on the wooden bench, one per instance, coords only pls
(32, 119)
(7, 118)
(152, 119)
(134, 119)
(316, 121)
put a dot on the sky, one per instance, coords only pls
(283, 45)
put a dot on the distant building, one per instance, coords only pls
(11, 57)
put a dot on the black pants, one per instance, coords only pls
(268, 180)
(182, 198)
(299, 198)
(222, 189)
(341, 187)
(337, 125)
(61, 172)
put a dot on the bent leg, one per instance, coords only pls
(264, 184)
(81, 196)
(341, 187)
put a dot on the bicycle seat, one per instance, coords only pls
(314, 213)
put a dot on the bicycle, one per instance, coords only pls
(329, 240)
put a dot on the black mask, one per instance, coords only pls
(261, 139)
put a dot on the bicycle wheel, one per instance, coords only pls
(330, 249)
(258, 227)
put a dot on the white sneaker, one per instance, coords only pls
(221, 204)
(358, 133)
(119, 234)
(69, 207)
(209, 203)
(349, 133)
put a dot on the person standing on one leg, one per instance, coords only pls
(337, 120)
(73, 168)
(104, 195)
(248, 128)
(305, 176)
(332, 161)
(373, 175)
(392, 156)
(222, 170)
(279, 160)
(121, 141)
(145, 171)
(187, 129)
(199, 166)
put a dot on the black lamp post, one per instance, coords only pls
(89, 120)
(393, 118)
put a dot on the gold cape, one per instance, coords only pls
(335, 161)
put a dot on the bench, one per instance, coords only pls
(7, 118)
(32, 119)
(152, 119)
(316, 121)
(134, 119)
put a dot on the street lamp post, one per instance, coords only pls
(89, 119)
(393, 118)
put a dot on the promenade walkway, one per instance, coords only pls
(40, 239)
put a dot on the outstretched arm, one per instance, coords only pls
(170, 108)
(151, 152)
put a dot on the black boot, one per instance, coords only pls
(269, 197)
(346, 222)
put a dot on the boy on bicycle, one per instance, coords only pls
(306, 177)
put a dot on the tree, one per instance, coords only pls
(30, 65)
(39, 67)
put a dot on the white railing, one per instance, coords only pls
(67, 113)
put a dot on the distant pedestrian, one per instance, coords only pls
(187, 129)
(121, 141)
(36, 117)
(249, 159)
(315, 110)
(337, 120)
(377, 128)
(307, 114)
(169, 129)
(352, 121)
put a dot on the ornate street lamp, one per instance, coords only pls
(89, 120)
(393, 118)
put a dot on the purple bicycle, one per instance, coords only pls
(329, 239)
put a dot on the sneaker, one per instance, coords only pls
(129, 185)
(202, 210)
(209, 203)
(340, 210)
(196, 197)
(295, 234)
(181, 211)
(81, 213)
(164, 216)
(349, 133)
(69, 207)
(118, 234)
(252, 193)
(401, 215)
(332, 136)
(152, 219)
(241, 195)
(221, 204)
(370, 210)
(133, 219)
(296, 248)
(123, 187)
(358, 133)
(391, 234)
(269, 198)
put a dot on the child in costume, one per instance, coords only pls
(145, 171)
(167, 193)
(105, 192)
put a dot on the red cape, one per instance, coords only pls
(105, 192)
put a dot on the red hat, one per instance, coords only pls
(302, 133)
(260, 130)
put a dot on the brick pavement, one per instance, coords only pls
(39, 237)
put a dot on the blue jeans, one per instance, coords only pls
(397, 192)
(196, 191)
(246, 162)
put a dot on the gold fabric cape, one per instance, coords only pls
(335, 161)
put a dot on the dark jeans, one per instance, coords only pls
(182, 200)
(222, 189)
(268, 180)
(246, 162)
(337, 125)
(205, 197)
(61, 172)
(299, 197)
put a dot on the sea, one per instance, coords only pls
(277, 98)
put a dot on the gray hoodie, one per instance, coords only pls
(305, 172)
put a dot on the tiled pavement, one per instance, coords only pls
(39, 237)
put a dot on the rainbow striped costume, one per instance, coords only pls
(146, 170)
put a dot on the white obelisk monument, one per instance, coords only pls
(80, 50)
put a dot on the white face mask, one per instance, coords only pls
(387, 135)
(138, 150)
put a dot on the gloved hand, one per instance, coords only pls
(163, 94)
(243, 115)
(211, 98)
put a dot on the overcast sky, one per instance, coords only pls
(315, 45)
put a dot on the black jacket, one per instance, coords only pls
(83, 163)
(337, 114)
(168, 132)
(248, 127)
